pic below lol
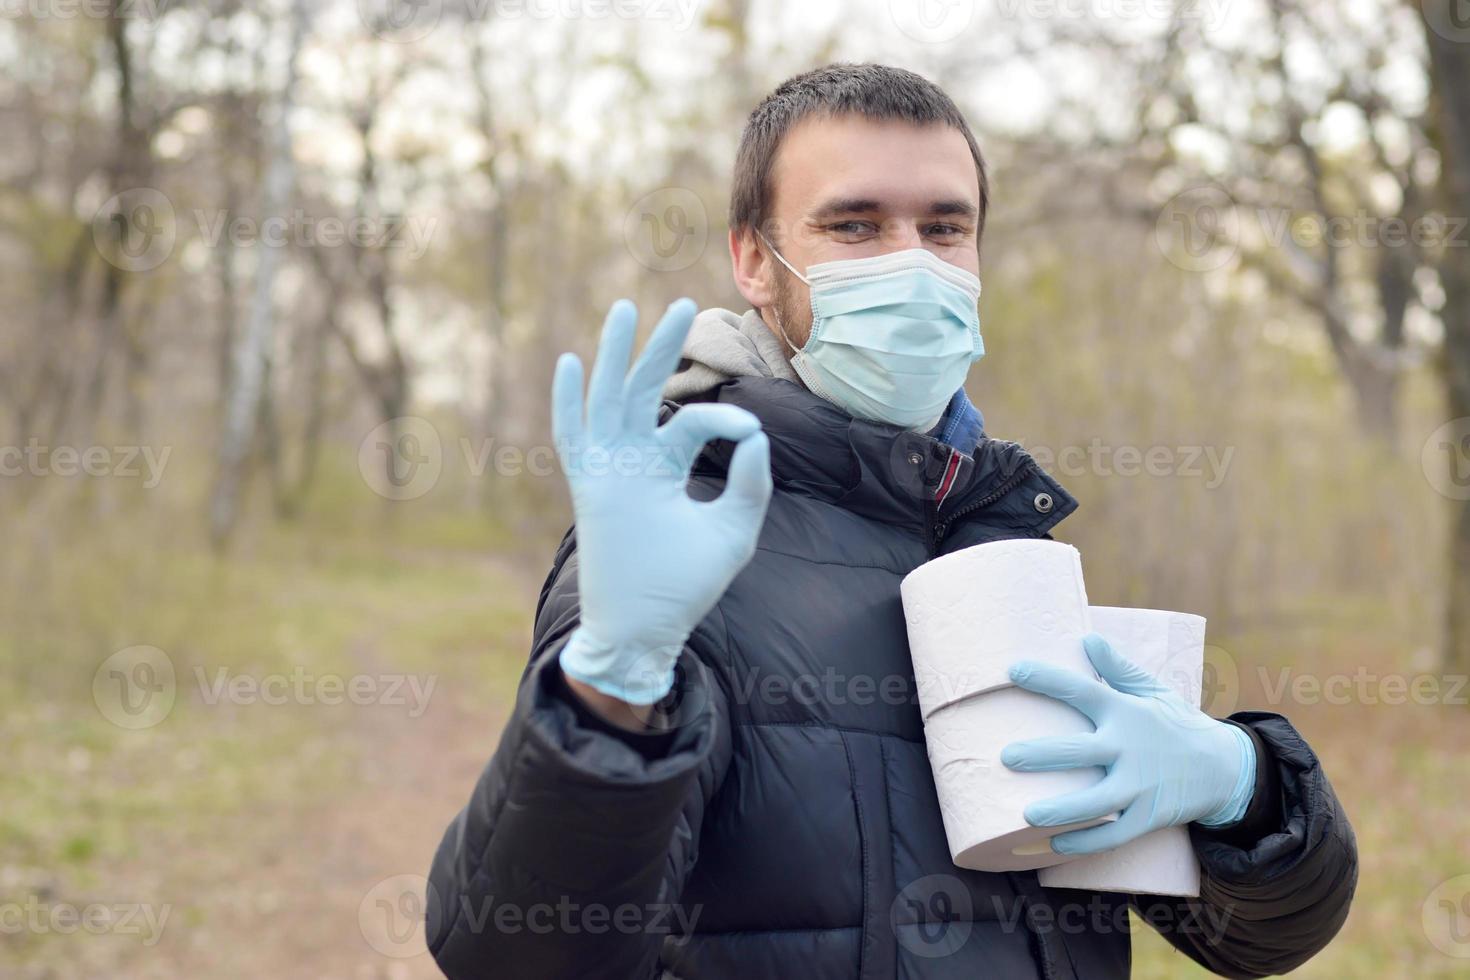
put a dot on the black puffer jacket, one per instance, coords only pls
(788, 826)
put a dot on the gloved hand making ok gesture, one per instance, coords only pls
(653, 561)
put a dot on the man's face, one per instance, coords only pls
(850, 188)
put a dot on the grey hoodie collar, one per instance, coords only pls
(722, 345)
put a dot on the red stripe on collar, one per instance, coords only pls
(951, 470)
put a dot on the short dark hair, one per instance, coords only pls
(868, 90)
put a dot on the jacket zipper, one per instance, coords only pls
(1010, 483)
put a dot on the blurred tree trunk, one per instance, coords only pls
(243, 405)
(128, 169)
(1450, 75)
(51, 392)
(287, 491)
(232, 144)
(387, 382)
(502, 191)
(1456, 367)
(386, 379)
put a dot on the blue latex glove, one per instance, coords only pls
(1167, 762)
(652, 560)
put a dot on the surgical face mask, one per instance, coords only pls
(893, 335)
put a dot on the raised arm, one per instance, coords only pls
(572, 853)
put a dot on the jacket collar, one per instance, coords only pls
(886, 473)
(962, 426)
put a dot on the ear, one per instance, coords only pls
(752, 269)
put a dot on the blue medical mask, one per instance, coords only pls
(893, 335)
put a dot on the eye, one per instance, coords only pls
(944, 231)
(852, 230)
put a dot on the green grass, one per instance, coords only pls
(84, 797)
(1399, 770)
(447, 593)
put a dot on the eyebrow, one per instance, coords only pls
(845, 205)
(956, 207)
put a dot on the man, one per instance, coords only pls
(716, 764)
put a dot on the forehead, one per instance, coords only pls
(903, 165)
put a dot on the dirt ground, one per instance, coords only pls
(303, 851)
(294, 843)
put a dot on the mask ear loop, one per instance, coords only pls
(782, 259)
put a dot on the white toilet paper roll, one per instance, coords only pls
(1160, 863)
(974, 613)
(1171, 646)
(983, 802)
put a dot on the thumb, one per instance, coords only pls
(1120, 673)
(694, 425)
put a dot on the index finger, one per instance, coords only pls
(645, 385)
(566, 405)
(605, 391)
(1087, 695)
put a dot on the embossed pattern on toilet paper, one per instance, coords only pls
(1170, 646)
(982, 802)
(974, 613)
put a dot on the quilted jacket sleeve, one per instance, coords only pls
(570, 857)
(1275, 888)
